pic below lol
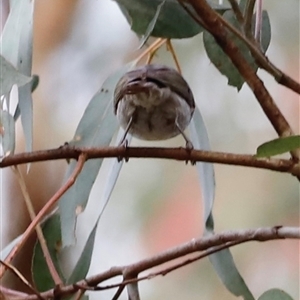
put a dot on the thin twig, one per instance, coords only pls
(55, 276)
(18, 274)
(11, 294)
(236, 9)
(226, 239)
(249, 10)
(261, 59)
(215, 26)
(118, 292)
(165, 271)
(43, 211)
(195, 17)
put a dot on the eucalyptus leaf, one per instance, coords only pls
(6, 250)
(222, 62)
(84, 261)
(95, 129)
(222, 261)
(24, 65)
(7, 132)
(200, 140)
(40, 272)
(172, 22)
(11, 34)
(275, 294)
(227, 271)
(9, 76)
(151, 24)
(278, 146)
(34, 85)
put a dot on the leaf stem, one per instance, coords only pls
(55, 276)
(43, 211)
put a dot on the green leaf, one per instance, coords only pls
(275, 294)
(222, 261)
(95, 129)
(4, 252)
(151, 25)
(16, 42)
(222, 62)
(224, 265)
(200, 140)
(173, 21)
(84, 261)
(11, 35)
(113, 171)
(24, 65)
(34, 85)
(278, 146)
(7, 132)
(10, 76)
(40, 272)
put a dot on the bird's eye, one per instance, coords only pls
(157, 82)
(136, 79)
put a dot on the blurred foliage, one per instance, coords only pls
(144, 209)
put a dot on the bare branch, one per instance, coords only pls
(43, 211)
(215, 23)
(55, 276)
(66, 152)
(227, 239)
(17, 273)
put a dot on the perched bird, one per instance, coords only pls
(154, 102)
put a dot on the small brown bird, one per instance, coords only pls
(154, 102)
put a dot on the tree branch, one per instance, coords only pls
(215, 25)
(227, 238)
(181, 154)
(43, 211)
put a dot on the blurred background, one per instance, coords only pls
(157, 204)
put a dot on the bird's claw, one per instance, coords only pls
(124, 144)
(189, 147)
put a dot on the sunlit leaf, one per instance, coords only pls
(40, 272)
(16, 47)
(4, 252)
(227, 271)
(275, 294)
(205, 171)
(11, 35)
(222, 261)
(7, 132)
(278, 146)
(24, 65)
(10, 76)
(84, 261)
(95, 129)
(34, 85)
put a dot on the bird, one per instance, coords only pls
(154, 102)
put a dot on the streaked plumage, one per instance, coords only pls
(153, 102)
